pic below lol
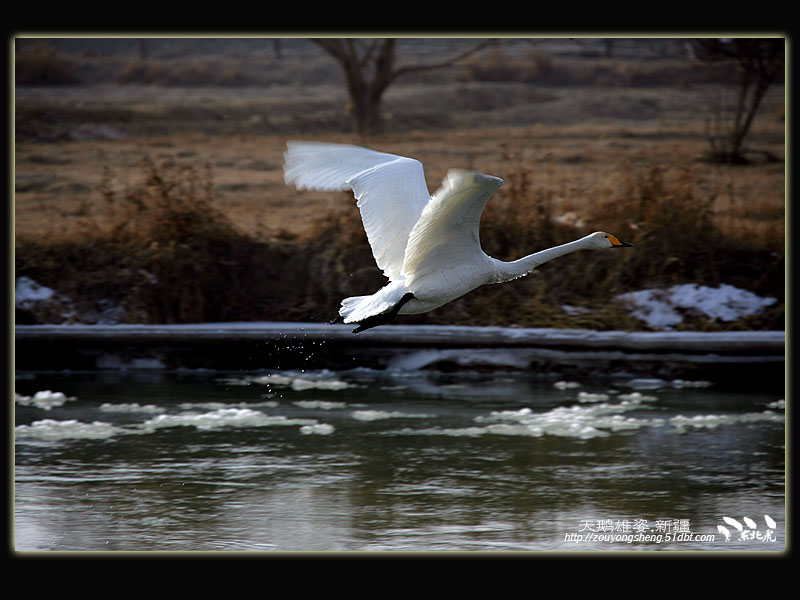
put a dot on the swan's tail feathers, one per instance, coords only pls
(383, 318)
(348, 307)
(377, 309)
(365, 312)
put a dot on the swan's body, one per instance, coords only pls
(428, 246)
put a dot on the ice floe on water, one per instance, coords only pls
(684, 424)
(566, 385)
(637, 397)
(580, 413)
(71, 429)
(44, 399)
(596, 416)
(221, 405)
(131, 407)
(322, 380)
(638, 383)
(223, 417)
(592, 397)
(377, 415)
(317, 429)
(583, 422)
(681, 383)
(586, 422)
(320, 404)
(665, 308)
(573, 421)
(654, 383)
(200, 415)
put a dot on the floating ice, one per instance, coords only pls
(646, 383)
(663, 308)
(652, 383)
(44, 399)
(375, 415)
(221, 405)
(296, 382)
(319, 404)
(590, 397)
(636, 397)
(133, 407)
(680, 383)
(309, 384)
(682, 423)
(224, 417)
(319, 429)
(52, 430)
(566, 385)
(583, 422)
(588, 421)
(506, 415)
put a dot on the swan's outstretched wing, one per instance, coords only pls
(446, 237)
(390, 190)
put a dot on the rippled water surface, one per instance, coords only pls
(372, 461)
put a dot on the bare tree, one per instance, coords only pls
(760, 61)
(369, 69)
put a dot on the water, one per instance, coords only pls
(400, 461)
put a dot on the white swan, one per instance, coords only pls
(428, 246)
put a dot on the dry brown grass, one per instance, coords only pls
(162, 249)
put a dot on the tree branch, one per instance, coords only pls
(443, 63)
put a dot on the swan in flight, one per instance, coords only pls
(427, 245)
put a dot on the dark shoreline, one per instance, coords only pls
(740, 357)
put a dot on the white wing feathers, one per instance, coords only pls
(446, 236)
(390, 190)
(412, 234)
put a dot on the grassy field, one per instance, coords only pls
(168, 200)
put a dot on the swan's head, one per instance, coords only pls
(600, 240)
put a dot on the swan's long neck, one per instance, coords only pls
(506, 271)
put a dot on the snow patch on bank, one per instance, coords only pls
(28, 292)
(665, 308)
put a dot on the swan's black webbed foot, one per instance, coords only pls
(383, 318)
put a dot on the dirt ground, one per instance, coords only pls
(571, 142)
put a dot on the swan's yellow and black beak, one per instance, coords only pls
(615, 243)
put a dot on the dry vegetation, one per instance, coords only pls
(171, 204)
